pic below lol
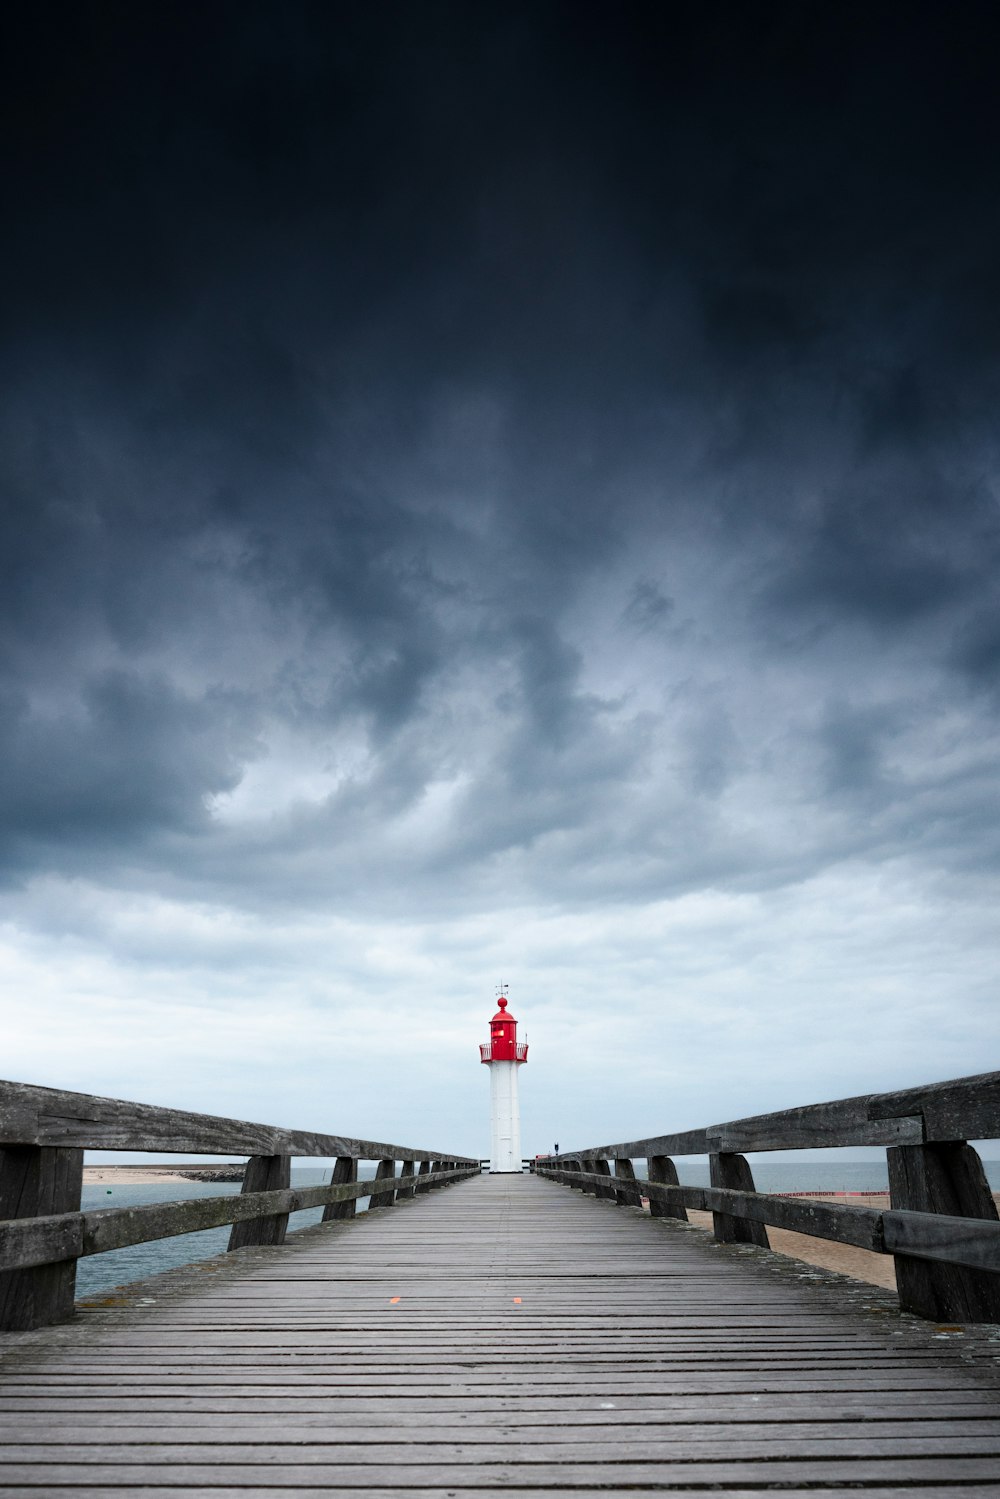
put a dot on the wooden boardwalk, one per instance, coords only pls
(503, 1335)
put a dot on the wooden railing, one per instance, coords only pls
(43, 1232)
(941, 1229)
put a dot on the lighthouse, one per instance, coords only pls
(503, 1054)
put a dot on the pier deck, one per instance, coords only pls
(506, 1335)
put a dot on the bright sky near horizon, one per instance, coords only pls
(500, 492)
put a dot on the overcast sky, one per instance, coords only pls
(499, 492)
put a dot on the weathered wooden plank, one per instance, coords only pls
(842, 1121)
(512, 1366)
(840, 1222)
(37, 1184)
(687, 1142)
(934, 1490)
(946, 1179)
(937, 1490)
(30, 1115)
(581, 1447)
(33, 1430)
(965, 1108)
(959, 1241)
(39, 1241)
(618, 1474)
(731, 1410)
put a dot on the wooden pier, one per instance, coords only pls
(479, 1334)
(504, 1335)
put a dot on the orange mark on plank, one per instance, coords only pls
(394, 1299)
(517, 1301)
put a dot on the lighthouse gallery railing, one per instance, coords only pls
(520, 1050)
(44, 1132)
(942, 1228)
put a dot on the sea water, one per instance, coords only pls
(99, 1272)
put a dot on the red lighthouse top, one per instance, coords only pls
(503, 1045)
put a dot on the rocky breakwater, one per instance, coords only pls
(221, 1174)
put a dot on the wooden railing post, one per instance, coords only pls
(627, 1195)
(345, 1171)
(386, 1172)
(660, 1168)
(406, 1179)
(603, 1169)
(264, 1173)
(35, 1181)
(424, 1170)
(945, 1177)
(590, 1166)
(728, 1169)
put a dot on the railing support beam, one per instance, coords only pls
(386, 1172)
(626, 1195)
(345, 1170)
(406, 1188)
(602, 1168)
(727, 1169)
(660, 1168)
(34, 1182)
(943, 1178)
(264, 1173)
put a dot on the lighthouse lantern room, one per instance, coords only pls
(503, 1053)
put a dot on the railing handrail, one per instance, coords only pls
(965, 1108)
(31, 1115)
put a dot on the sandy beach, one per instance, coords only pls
(144, 1175)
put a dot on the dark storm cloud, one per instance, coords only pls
(130, 759)
(358, 348)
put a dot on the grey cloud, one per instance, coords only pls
(648, 608)
(130, 759)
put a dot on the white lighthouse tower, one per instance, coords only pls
(503, 1055)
